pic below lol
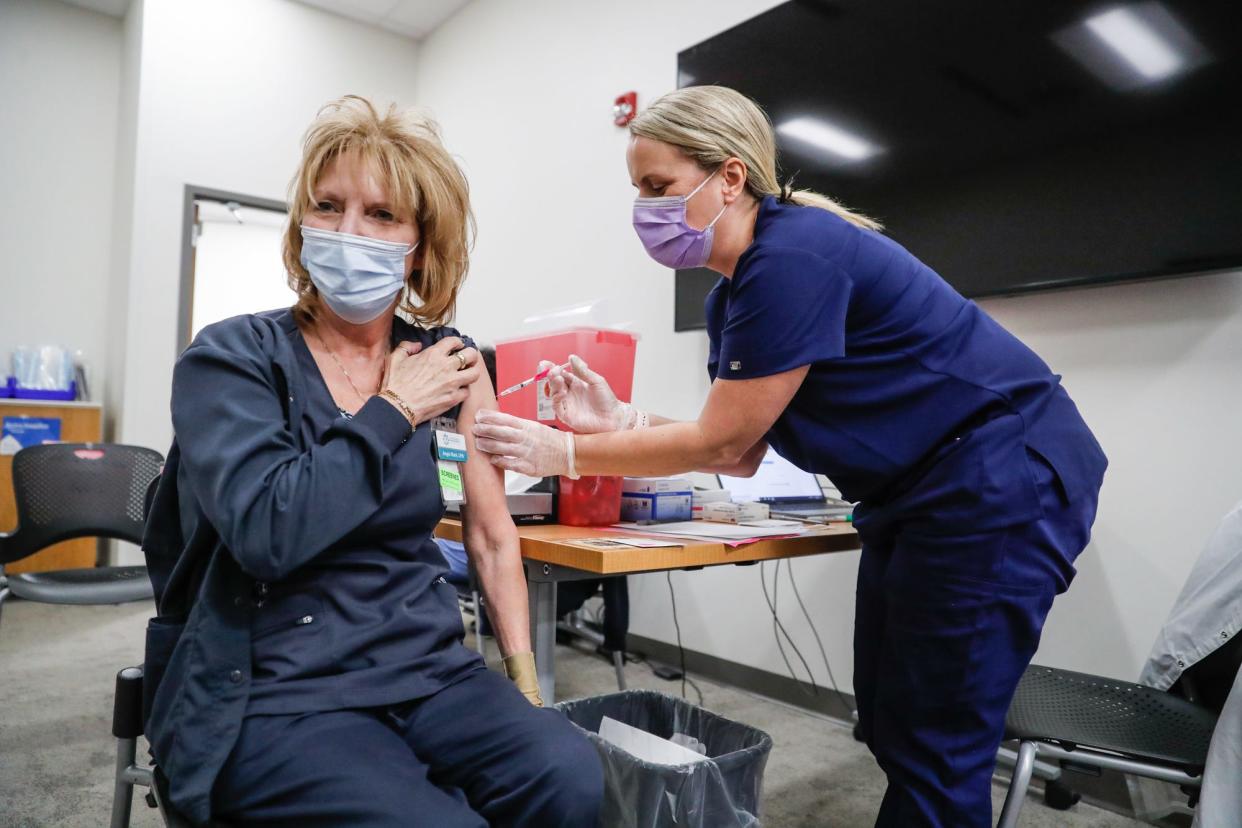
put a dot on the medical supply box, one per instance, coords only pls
(735, 512)
(702, 497)
(655, 498)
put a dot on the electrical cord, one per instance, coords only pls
(681, 651)
(823, 653)
(778, 629)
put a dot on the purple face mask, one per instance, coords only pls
(662, 228)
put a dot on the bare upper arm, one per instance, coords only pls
(740, 412)
(486, 508)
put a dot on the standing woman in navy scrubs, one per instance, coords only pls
(976, 478)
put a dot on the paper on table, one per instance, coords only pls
(628, 543)
(516, 483)
(646, 746)
(714, 531)
(649, 543)
(768, 523)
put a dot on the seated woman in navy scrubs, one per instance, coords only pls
(976, 478)
(319, 677)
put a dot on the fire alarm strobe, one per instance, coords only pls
(624, 108)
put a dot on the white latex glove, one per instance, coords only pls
(523, 446)
(583, 400)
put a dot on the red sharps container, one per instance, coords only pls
(590, 500)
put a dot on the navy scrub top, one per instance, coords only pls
(372, 620)
(905, 374)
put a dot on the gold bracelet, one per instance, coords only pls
(401, 405)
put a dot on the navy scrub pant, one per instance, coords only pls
(946, 625)
(474, 754)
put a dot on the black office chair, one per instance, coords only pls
(1081, 720)
(75, 490)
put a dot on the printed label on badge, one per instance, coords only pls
(451, 488)
(543, 408)
(451, 446)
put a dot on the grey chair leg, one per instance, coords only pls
(1017, 787)
(618, 662)
(123, 793)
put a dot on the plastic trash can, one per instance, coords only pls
(721, 792)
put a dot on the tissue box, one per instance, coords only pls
(655, 498)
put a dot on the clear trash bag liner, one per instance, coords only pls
(721, 792)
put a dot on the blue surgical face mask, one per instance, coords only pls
(357, 277)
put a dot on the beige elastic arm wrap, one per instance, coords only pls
(520, 668)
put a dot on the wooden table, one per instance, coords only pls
(549, 555)
(79, 423)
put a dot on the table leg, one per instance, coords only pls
(543, 635)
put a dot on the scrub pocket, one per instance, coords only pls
(288, 638)
(163, 633)
(978, 482)
(448, 595)
(958, 642)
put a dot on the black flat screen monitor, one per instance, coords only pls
(1012, 146)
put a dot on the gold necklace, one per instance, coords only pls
(344, 371)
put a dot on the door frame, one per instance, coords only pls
(194, 192)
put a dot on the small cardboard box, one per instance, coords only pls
(655, 498)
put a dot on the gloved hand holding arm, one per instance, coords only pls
(523, 446)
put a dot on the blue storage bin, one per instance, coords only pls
(20, 393)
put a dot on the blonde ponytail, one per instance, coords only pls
(712, 124)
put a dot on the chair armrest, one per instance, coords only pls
(127, 704)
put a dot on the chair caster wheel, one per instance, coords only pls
(1059, 796)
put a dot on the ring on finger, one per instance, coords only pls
(461, 361)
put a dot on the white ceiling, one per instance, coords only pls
(411, 18)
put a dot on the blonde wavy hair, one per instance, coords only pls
(712, 124)
(405, 152)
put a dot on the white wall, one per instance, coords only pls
(1156, 368)
(59, 79)
(523, 92)
(226, 90)
(117, 307)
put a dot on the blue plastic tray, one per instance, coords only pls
(12, 389)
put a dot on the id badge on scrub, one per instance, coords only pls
(450, 455)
